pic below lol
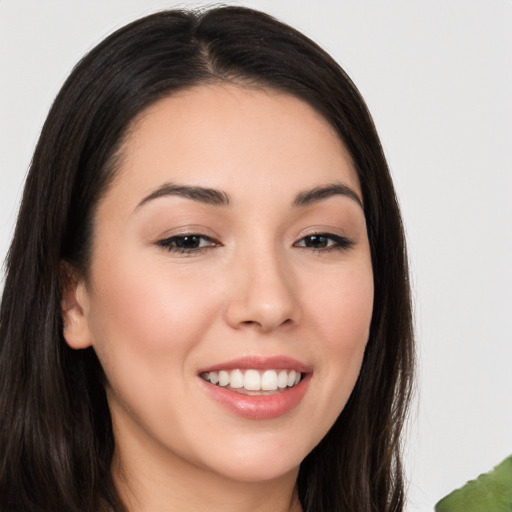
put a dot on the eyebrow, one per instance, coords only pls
(205, 195)
(216, 197)
(324, 192)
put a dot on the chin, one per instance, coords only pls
(259, 471)
(258, 460)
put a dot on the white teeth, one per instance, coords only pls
(223, 378)
(282, 379)
(236, 379)
(254, 380)
(269, 380)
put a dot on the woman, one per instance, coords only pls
(206, 301)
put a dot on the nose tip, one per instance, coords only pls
(264, 299)
(263, 316)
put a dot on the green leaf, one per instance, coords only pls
(490, 492)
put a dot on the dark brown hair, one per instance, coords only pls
(56, 441)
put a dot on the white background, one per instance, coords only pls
(437, 76)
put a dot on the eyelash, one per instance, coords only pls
(340, 243)
(176, 243)
(172, 244)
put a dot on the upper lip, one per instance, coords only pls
(255, 362)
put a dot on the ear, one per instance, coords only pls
(75, 309)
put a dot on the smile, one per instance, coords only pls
(252, 380)
(257, 387)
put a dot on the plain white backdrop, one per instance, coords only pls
(437, 76)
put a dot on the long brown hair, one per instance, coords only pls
(56, 441)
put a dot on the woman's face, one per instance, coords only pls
(231, 245)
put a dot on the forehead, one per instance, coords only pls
(228, 136)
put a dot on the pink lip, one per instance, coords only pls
(259, 407)
(259, 363)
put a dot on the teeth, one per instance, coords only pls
(269, 380)
(254, 380)
(223, 378)
(236, 379)
(282, 379)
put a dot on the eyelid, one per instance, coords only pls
(178, 236)
(341, 241)
(186, 230)
(169, 243)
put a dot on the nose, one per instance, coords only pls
(263, 294)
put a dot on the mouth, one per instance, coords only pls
(253, 381)
(257, 388)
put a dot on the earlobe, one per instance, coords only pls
(74, 309)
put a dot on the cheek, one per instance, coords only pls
(343, 310)
(342, 316)
(143, 317)
(146, 322)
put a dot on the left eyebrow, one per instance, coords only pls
(324, 192)
(200, 194)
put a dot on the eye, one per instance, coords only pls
(324, 242)
(187, 243)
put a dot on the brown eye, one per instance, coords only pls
(187, 243)
(324, 241)
(316, 241)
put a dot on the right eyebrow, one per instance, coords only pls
(320, 193)
(201, 194)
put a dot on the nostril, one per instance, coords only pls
(265, 326)
(249, 323)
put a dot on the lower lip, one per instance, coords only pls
(259, 407)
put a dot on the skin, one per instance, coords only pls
(155, 316)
